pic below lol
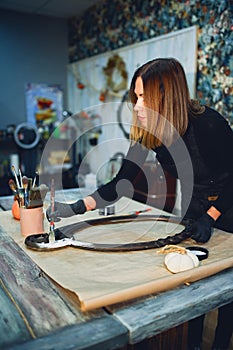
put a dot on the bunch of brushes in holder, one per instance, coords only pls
(26, 192)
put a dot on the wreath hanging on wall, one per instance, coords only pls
(116, 76)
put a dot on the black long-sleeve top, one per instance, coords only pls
(214, 139)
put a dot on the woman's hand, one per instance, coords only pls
(202, 228)
(64, 210)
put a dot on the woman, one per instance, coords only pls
(192, 142)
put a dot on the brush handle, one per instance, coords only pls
(16, 178)
(52, 196)
(34, 180)
(21, 180)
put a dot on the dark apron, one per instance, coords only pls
(207, 188)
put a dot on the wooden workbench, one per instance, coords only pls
(36, 313)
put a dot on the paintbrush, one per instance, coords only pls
(20, 177)
(35, 199)
(16, 178)
(34, 180)
(12, 186)
(52, 204)
(29, 183)
(14, 190)
(25, 182)
(25, 187)
(21, 195)
(43, 191)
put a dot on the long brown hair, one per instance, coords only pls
(167, 99)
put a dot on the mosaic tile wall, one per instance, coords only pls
(112, 24)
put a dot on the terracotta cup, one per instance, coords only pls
(31, 221)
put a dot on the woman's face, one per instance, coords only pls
(139, 107)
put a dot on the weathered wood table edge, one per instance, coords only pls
(126, 323)
(155, 314)
(39, 315)
(33, 307)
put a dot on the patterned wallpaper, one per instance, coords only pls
(112, 24)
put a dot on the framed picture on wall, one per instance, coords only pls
(44, 103)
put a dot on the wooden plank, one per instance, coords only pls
(12, 326)
(147, 317)
(172, 339)
(41, 305)
(98, 334)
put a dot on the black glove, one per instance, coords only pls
(202, 228)
(64, 210)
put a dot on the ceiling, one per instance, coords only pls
(55, 8)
